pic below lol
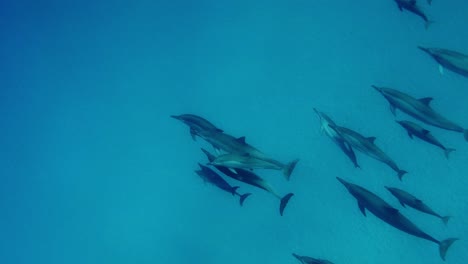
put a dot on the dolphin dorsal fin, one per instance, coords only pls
(391, 210)
(219, 130)
(371, 139)
(241, 140)
(425, 131)
(418, 201)
(426, 100)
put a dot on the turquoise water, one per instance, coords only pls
(95, 171)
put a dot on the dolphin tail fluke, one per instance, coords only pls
(284, 202)
(447, 152)
(234, 190)
(445, 219)
(444, 246)
(401, 173)
(465, 134)
(243, 197)
(288, 168)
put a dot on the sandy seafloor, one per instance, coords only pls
(94, 171)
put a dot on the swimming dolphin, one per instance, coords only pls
(209, 175)
(198, 125)
(424, 134)
(246, 161)
(344, 146)
(251, 179)
(412, 7)
(367, 146)
(406, 198)
(383, 210)
(309, 260)
(419, 109)
(449, 59)
(239, 147)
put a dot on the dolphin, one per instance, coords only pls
(309, 260)
(384, 211)
(251, 179)
(424, 134)
(239, 147)
(406, 198)
(246, 161)
(198, 125)
(412, 7)
(419, 109)
(344, 146)
(367, 146)
(209, 175)
(449, 59)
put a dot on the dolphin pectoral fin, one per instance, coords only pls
(418, 201)
(441, 69)
(410, 135)
(284, 202)
(426, 100)
(362, 208)
(193, 134)
(393, 110)
(444, 246)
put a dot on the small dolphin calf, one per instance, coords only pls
(424, 134)
(198, 125)
(246, 161)
(251, 179)
(309, 260)
(407, 199)
(419, 109)
(381, 209)
(367, 146)
(449, 59)
(412, 7)
(212, 177)
(325, 120)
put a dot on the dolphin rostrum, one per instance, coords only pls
(342, 144)
(414, 129)
(412, 7)
(419, 109)
(383, 210)
(367, 146)
(209, 175)
(309, 260)
(449, 59)
(406, 198)
(198, 125)
(251, 179)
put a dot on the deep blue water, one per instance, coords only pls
(94, 171)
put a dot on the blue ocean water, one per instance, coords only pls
(95, 171)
